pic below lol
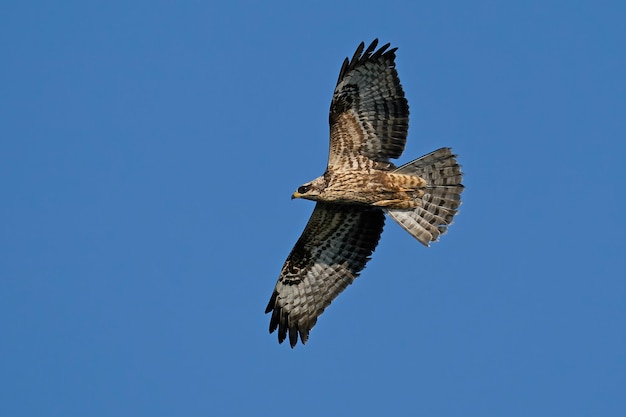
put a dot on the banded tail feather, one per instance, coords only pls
(441, 199)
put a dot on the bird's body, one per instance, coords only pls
(375, 187)
(369, 119)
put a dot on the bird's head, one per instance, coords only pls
(311, 190)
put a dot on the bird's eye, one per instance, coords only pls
(303, 189)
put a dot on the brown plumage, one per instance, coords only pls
(369, 119)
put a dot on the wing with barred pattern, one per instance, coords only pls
(369, 116)
(333, 249)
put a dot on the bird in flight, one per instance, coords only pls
(369, 120)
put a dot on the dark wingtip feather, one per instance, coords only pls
(293, 335)
(360, 56)
(304, 334)
(370, 49)
(282, 332)
(357, 53)
(274, 321)
(344, 68)
(272, 303)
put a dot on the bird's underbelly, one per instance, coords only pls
(382, 189)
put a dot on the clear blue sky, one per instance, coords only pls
(148, 151)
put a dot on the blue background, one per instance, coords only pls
(148, 151)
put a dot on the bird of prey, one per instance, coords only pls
(369, 120)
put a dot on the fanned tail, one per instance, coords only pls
(441, 199)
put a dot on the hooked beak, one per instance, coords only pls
(296, 195)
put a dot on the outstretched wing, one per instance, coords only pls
(369, 116)
(333, 249)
